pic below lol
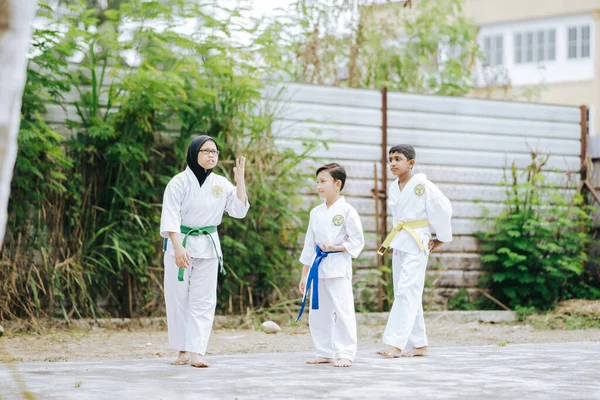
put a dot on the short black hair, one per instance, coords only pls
(336, 171)
(408, 151)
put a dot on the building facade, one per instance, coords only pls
(537, 50)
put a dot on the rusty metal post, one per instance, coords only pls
(378, 234)
(382, 193)
(585, 182)
(384, 157)
(584, 134)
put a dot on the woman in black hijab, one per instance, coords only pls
(193, 161)
(193, 205)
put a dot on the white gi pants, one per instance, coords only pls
(191, 304)
(405, 328)
(333, 325)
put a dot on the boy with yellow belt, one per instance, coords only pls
(416, 204)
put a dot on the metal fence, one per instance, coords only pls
(463, 145)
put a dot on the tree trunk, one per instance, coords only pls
(16, 17)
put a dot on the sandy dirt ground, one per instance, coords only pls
(98, 343)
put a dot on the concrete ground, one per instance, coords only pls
(532, 371)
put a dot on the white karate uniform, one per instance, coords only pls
(419, 199)
(333, 325)
(191, 304)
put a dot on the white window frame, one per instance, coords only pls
(535, 46)
(550, 44)
(493, 48)
(582, 47)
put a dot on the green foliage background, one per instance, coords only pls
(536, 249)
(134, 88)
(84, 212)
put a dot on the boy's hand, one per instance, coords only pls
(302, 285)
(328, 247)
(322, 246)
(434, 244)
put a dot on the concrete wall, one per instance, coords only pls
(560, 81)
(572, 89)
(485, 12)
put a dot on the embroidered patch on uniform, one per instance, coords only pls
(419, 190)
(217, 191)
(338, 220)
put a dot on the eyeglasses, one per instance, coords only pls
(208, 152)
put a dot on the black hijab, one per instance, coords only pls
(192, 158)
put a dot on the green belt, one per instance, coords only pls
(207, 230)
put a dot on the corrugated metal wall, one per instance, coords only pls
(462, 145)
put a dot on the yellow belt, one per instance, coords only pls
(408, 227)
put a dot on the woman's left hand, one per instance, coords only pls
(239, 170)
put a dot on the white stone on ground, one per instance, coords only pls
(271, 327)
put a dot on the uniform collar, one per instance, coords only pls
(192, 177)
(339, 201)
(415, 180)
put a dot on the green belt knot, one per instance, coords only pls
(207, 230)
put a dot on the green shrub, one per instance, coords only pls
(89, 207)
(535, 249)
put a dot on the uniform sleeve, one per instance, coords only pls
(439, 213)
(355, 242)
(170, 219)
(308, 252)
(234, 206)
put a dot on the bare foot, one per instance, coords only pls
(342, 362)
(198, 362)
(392, 352)
(320, 360)
(182, 359)
(419, 352)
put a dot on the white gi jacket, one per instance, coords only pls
(338, 225)
(419, 199)
(186, 203)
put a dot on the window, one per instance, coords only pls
(518, 48)
(551, 44)
(572, 42)
(540, 45)
(493, 49)
(535, 46)
(529, 47)
(578, 41)
(585, 41)
(499, 50)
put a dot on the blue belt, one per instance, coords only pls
(313, 278)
